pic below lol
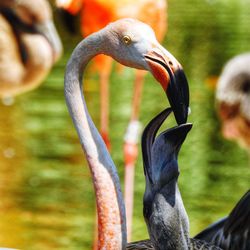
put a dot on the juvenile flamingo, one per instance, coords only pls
(133, 44)
(163, 208)
(29, 45)
(95, 14)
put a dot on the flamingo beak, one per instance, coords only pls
(169, 73)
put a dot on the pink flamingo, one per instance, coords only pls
(131, 43)
(95, 14)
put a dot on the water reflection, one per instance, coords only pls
(47, 199)
(12, 159)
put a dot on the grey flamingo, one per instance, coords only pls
(164, 212)
(163, 209)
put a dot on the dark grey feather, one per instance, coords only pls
(232, 232)
(148, 245)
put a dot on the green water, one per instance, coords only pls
(47, 199)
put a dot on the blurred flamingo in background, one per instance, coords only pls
(29, 45)
(95, 14)
(233, 100)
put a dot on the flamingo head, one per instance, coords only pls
(160, 152)
(134, 44)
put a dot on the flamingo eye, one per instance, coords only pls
(127, 39)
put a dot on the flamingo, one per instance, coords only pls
(29, 45)
(131, 43)
(95, 14)
(233, 100)
(163, 208)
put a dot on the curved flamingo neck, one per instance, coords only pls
(110, 206)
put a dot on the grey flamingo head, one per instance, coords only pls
(164, 211)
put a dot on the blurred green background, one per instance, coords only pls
(46, 193)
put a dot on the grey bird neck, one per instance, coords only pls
(98, 157)
(168, 223)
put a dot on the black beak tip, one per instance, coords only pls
(178, 96)
(180, 108)
(181, 114)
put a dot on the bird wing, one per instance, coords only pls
(140, 245)
(239, 219)
(201, 244)
(209, 233)
(232, 232)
